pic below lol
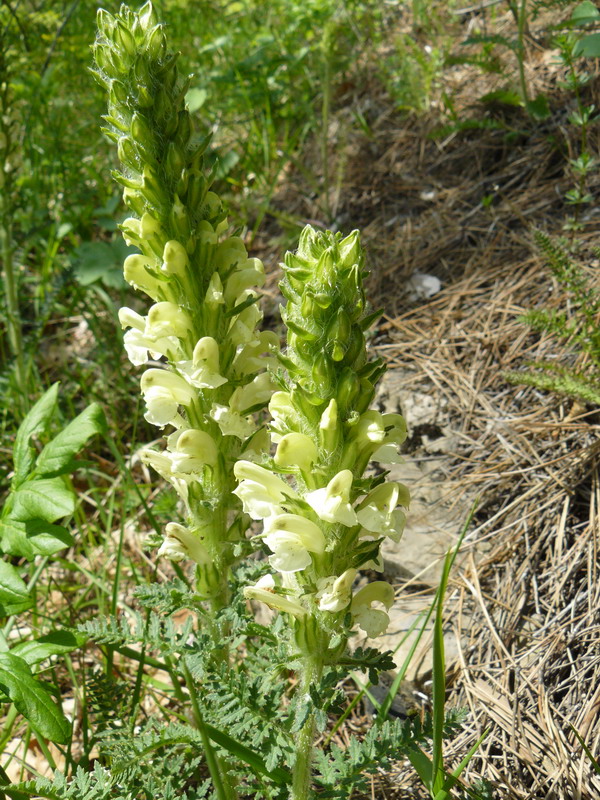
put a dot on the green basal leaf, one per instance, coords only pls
(585, 13)
(34, 423)
(32, 538)
(32, 699)
(588, 46)
(52, 644)
(14, 595)
(46, 499)
(538, 108)
(57, 455)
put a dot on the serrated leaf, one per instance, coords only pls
(33, 538)
(482, 38)
(538, 108)
(47, 499)
(55, 643)
(32, 699)
(34, 423)
(14, 595)
(58, 454)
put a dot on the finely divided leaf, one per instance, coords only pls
(57, 456)
(34, 423)
(32, 699)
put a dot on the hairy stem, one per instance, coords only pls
(311, 673)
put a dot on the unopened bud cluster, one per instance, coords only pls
(322, 519)
(202, 325)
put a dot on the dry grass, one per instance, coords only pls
(526, 607)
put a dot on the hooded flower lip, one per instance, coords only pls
(231, 423)
(138, 344)
(378, 513)
(373, 621)
(181, 543)
(292, 539)
(262, 493)
(203, 370)
(257, 392)
(296, 450)
(334, 594)
(332, 503)
(163, 392)
(191, 450)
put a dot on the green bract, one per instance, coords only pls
(203, 321)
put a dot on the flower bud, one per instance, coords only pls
(347, 390)
(131, 230)
(157, 43)
(350, 250)
(329, 433)
(136, 274)
(214, 293)
(149, 226)
(105, 22)
(180, 220)
(127, 154)
(175, 258)
(193, 449)
(147, 16)
(323, 374)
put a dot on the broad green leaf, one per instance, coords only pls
(14, 596)
(52, 644)
(33, 538)
(588, 46)
(47, 499)
(58, 454)
(584, 13)
(32, 699)
(34, 423)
